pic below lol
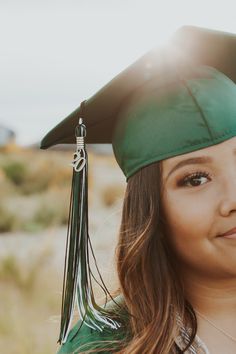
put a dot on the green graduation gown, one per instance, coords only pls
(88, 338)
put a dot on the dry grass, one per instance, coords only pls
(28, 294)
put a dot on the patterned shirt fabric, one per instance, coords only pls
(198, 346)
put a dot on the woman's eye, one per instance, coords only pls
(193, 180)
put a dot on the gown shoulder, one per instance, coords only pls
(87, 339)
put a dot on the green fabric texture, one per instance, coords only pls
(86, 339)
(179, 117)
(91, 339)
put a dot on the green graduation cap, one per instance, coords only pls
(175, 99)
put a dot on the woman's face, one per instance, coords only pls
(199, 203)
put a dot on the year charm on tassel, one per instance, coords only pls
(79, 156)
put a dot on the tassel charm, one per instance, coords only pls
(79, 157)
(77, 280)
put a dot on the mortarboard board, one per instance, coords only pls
(201, 46)
(173, 100)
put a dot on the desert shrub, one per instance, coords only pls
(10, 270)
(45, 215)
(36, 177)
(8, 221)
(44, 176)
(24, 276)
(35, 185)
(30, 172)
(6, 186)
(15, 171)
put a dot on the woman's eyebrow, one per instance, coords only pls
(190, 161)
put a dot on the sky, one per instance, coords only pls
(54, 53)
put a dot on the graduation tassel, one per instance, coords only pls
(77, 284)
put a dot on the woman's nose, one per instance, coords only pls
(228, 197)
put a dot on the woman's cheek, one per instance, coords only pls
(189, 221)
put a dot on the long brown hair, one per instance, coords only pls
(147, 269)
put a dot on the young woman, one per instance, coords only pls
(175, 141)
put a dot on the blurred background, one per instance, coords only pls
(54, 54)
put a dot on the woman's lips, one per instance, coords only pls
(230, 234)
